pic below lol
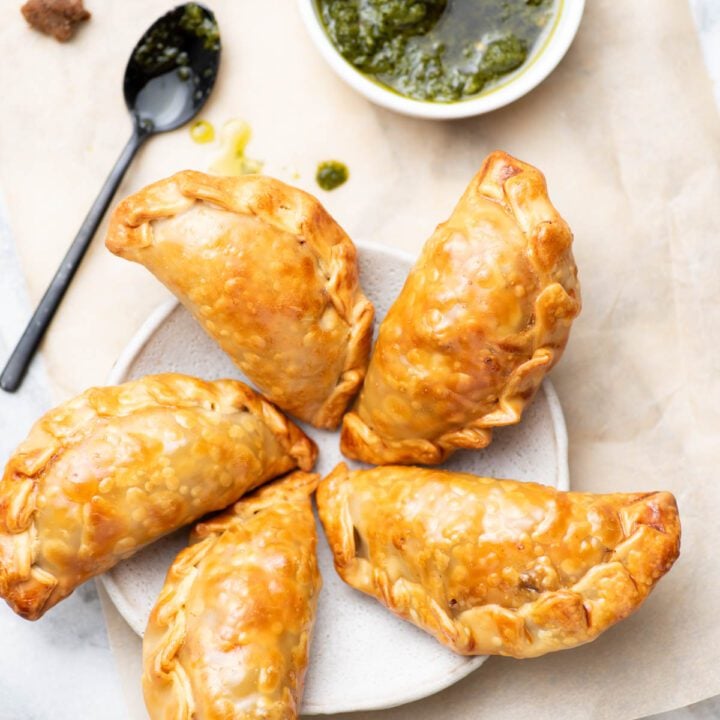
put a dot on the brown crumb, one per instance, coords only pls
(58, 18)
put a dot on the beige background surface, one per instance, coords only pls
(629, 139)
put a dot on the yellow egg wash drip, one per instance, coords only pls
(202, 132)
(234, 138)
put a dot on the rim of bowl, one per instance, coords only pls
(544, 60)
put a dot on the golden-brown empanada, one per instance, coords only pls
(115, 468)
(484, 314)
(497, 566)
(230, 632)
(267, 273)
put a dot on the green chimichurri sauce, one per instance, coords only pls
(331, 174)
(436, 50)
(162, 50)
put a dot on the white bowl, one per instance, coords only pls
(549, 50)
(362, 657)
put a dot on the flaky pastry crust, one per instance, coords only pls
(497, 566)
(268, 274)
(484, 314)
(230, 632)
(115, 468)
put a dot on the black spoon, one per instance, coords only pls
(167, 80)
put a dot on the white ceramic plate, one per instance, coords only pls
(363, 657)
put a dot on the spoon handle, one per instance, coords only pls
(14, 372)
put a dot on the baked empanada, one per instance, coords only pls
(483, 315)
(267, 273)
(115, 468)
(497, 566)
(230, 632)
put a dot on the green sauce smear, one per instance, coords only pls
(435, 50)
(194, 21)
(331, 174)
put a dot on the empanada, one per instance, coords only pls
(230, 632)
(497, 566)
(483, 315)
(115, 468)
(267, 273)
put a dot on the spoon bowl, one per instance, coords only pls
(173, 68)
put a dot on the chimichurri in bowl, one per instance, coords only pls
(442, 58)
(436, 50)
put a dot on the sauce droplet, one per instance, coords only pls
(201, 131)
(331, 174)
(232, 160)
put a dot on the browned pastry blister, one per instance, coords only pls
(267, 273)
(115, 468)
(497, 566)
(484, 314)
(230, 633)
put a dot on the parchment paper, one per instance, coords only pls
(628, 137)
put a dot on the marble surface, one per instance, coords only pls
(61, 667)
(707, 21)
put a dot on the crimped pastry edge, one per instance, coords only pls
(162, 663)
(28, 588)
(500, 178)
(567, 620)
(131, 226)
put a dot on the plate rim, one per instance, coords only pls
(466, 664)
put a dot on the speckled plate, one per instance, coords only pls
(362, 656)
